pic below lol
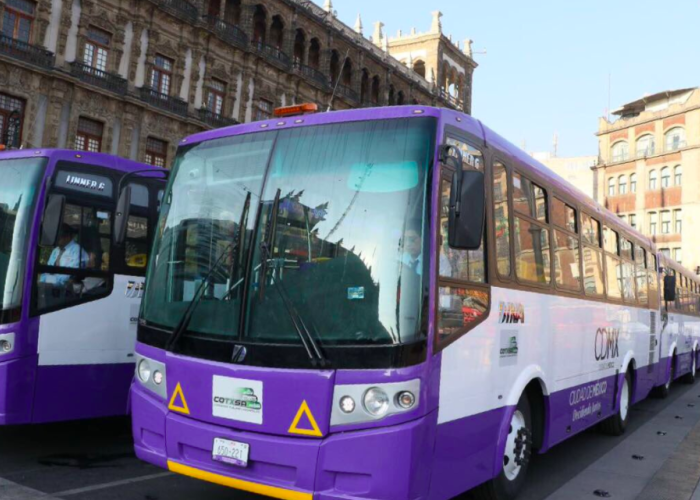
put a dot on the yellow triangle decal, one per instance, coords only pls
(304, 410)
(182, 408)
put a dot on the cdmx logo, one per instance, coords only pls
(245, 398)
(606, 343)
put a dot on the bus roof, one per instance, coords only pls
(101, 159)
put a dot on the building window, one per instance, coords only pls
(215, 99)
(633, 183)
(652, 180)
(264, 111)
(666, 252)
(665, 177)
(677, 255)
(633, 220)
(677, 175)
(162, 75)
(156, 152)
(652, 223)
(89, 136)
(622, 184)
(11, 120)
(97, 49)
(665, 222)
(645, 146)
(611, 186)
(17, 20)
(678, 221)
(675, 139)
(620, 151)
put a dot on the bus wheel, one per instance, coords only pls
(617, 424)
(516, 458)
(664, 390)
(689, 377)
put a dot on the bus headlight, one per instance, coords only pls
(144, 371)
(7, 343)
(376, 402)
(347, 404)
(157, 377)
(405, 399)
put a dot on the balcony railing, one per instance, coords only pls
(311, 73)
(347, 92)
(450, 99)
(675, 145)
(227, 32)
(31, 54)
(273, 54)
(215, 120)
(163, 101)
(180, 8)
(99, 78)
(620, 157)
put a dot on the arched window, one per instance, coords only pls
(347, 73)
(419, 67)
(299, 47)
(277, 32)
(677, 175)
(335, 66)
(633, 183)
(611, 186)
(675, 139)
(315, 53)
(375, 90)
(652, 180)
(364, 87)
(665, 177)
(620, 151)
(645, 146)
(392, 96)
(622, 184)
(259, 24)
(233, 12)
(400, 100)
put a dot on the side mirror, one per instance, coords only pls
(669, 288)
(121, 218)
(451, 156)
(467, 210)
(53, 219)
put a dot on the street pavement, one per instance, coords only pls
(658, 459)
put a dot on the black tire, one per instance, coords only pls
(616, 425)
(664, 390)
(689, 378)
(502, 487)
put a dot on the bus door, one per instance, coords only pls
(87, 312)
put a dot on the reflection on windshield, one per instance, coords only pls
(20, 181)
(346, 242)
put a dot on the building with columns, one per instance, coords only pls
(132, 77)
(649, 170)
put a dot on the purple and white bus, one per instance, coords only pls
(69, 297)
(391, 303)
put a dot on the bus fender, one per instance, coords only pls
(626, 363)
(671, 350)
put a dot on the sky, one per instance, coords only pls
(548, 62)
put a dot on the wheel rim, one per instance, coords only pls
(624, 400)
(515, 446)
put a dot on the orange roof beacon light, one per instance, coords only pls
(3, 147)
(299, 109)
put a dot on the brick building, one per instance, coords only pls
(649, 170)
(132, 77)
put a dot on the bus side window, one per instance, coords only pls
(136, 245)
(75, 269)
(642, 283)
(531, 236)
(566, 246)
(652, 268)
(593, 278)
(613, 264)
(501, 219)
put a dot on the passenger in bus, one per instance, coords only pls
(68, 253)
(412, 257)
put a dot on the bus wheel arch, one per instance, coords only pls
(629, 368)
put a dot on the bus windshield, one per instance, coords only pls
(324, 223)
(20, 182)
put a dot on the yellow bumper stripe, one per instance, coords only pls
(239, 484)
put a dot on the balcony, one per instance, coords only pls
(273, 54)
(181, 9)
(215, 120)
(98, 78)
(672, 146)
(311, 74)
(22, 51)
(450, 99)
(347, 93)
(227, 32)
(163, 101)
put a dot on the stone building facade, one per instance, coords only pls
(649, 170)
(132, 77)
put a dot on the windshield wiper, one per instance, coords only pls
(307, 340)
(196, 299)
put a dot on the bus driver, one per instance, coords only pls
(67, 254)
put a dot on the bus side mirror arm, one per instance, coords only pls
(121, 217)
(53, 220)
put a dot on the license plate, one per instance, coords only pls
(231, 452)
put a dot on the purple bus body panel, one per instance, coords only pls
(33, 393)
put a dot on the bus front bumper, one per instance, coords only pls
(382, 463)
